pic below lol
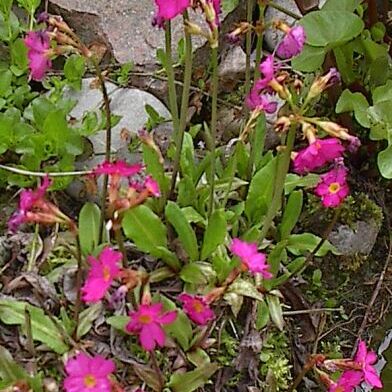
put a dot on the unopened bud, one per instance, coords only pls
(282, 124)
(321, 83)
(309, 132)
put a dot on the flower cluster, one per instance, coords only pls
(251, 258)
(35, 208)
(38, 53)
(101, 274)
(355, 371)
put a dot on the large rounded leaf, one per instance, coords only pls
(331, 28)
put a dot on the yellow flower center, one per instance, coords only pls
(106, 273)
(90, 381)
(334, 187)
(197, 306)
(145, 319)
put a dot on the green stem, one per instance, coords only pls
(120, 242)
(248, 45)
(259, 44)
(79, 272)
(184, 106)
(214, 112)
(171, 79)
(281, 172)
(32, 258)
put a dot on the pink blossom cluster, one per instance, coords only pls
(355, 371)
(251, 258)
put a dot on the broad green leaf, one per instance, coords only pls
(118, 322)
(42, 327)
(245, 288)
(200, 273)
(181, 329)
(235, 301)
(309, 60)
(89, 219)
(168, 257)
(187, 161)
(354, 102)
(293, 181)
(384, 161)
(192, 216)
(223, 266)
(9, 369)
(263, 315)
(185, 233)
(344, 56)
(198, 357)
(74, 69)
(5, 82)
(306, 242)
(190, 381)
(291, 214)
(215, 233)
(258, 141)
(275, 310)
(260, 192)
(87, 317)
(145, 229)
(331, 28)
(275, 257)
(383, 93)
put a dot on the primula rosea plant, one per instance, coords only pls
(181, 244)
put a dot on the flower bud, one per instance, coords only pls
(321, 83)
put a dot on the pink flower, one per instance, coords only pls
(101, 274)
(85, 374)
(257, 101)
(267, 68)
(248, 253)
(317, 154)
(119, 168)
(333, 187)
(365, 359)
(38, 44)
(147, 322)
(196, 308)
(152, 186)
(292, 43)
(169, 9)
(347, 382)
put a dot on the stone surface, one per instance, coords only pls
(360, 240)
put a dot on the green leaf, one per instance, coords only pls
(145, 229)
(291, 214)
(263, 315)
(87, 317)
(200, 273)
(9, 369)
(245, 288)
(293, 181)
(307, 242)
(5, 82)
(258, 140)
(187, 161)
(384, 162)
(74, 70)
(187, 236)
(168, 257)
(181, 328)
(118, 322)
(331, 28)
(198, 357)
(42, 327)
(354, 102)
(190, 381)
(260, 192)
(383, 93)
(309, 60)
(19, 55)
(275, 310)
(215, 233)
(89, 219)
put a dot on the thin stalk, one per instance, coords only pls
(284, 10)
(170, 78)
(214, 112)
(120, 242)
(32, 258)
(108, 147)
(259, 44)
(281, 172)
(248, 45)
(184, 105)
(44, 174)
(79, 272)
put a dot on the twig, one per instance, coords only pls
(44, 174)
(307, 311)
(284, 10)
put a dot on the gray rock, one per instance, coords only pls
(125, 102)
(233, 65)
(360, 240)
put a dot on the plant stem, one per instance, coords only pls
(155, 365)
(170, 78)
(32, 258)
(108, 147)
(248, 45)
(259, 44)
(214, 112)
(281, 172)
(284, 10)
(120, 242)
(184, 105)
(79, 272)
(44, 174)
